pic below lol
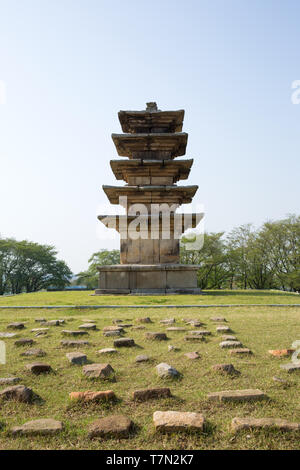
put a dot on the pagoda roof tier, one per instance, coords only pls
(152, 169)
(158, 146)
(151, 194)
(149, 120)
(178, 222)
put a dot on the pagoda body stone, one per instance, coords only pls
(150, 230)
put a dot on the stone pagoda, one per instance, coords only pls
(151, 229)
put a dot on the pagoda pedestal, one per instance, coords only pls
(151, 229)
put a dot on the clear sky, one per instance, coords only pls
(70, 65)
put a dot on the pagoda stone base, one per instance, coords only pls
(148, 279)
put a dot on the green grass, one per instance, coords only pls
(259, 328)
(211, 297)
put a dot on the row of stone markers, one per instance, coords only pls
(122, 426)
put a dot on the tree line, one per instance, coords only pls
(29, 267)
(245, 258)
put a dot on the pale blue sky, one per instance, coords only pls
(70, 65)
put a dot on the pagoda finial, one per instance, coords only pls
(151, 106)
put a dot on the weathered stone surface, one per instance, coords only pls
(16, 326)
(74, 333)
(195, 323)
(221, 319)
(172, 348)
(168, 321)
(34, 352)
(87, 326)
(241, 351)
(225, 368)
(74, 343)
(222, 329)
(176, 328)
(144, 320)
(41, 333)
(76, 358)
(112, 333)
(199, 333)
(117, 320)
(40, 320)
(24, 342)
(107, 351)
(173, 421)
(39, 426)
(142, 358)
(192, 355)
(194, 338)
(230, 344)
(39, 368)
(124, 342)
(7, 335)
(9, 380)
(18, 393)
(291, 367)
(229, 338)
(239, 424)
(156, 336)
(52, 323)
(237, 395)
(281, 352)
(113, 328)
(150, 393)
(90, 396)
(39, 330)
(164, 370)
(99, 371)
(116, 426)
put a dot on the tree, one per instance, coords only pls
(101, 258)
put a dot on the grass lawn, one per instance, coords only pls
(211, 297)
(259, 328)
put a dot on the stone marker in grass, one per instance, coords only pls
(156, 336)
(164, 370)
(38, 368)
(142, 358)
(168, 321)
(124, 342)
(225, 369)
(18, 393)
(115, 426)
(88, 326)
(24, 342)
(194, 338)
(174, 421)
(192, 355)
(16, 326)
(74, 333)
(52, 323)
(74, 343)
(230, 344)
(172, 348)
(98, 371)
(222, 329)
(176, 328)
(38, 427)
(40, 320)
(229, 338)
(9, 380)
(7, 335)
(144, 320)
(151, 393)
(240, 424)
(90, 396)
(107, 351)
(77, 358)
(194, 323)
(112, 333)
(237, 395)
(281, 352)
(218, 319)
(39, 330)
(36, 352)
(291, 367)
(113, 328)
(240, 351)
(199, 333)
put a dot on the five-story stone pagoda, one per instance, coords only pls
(150, 231)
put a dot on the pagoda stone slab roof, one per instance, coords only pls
(178, 169)
(157, 145)
(151, 194)
(133, 122)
